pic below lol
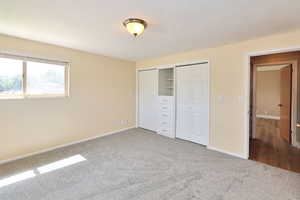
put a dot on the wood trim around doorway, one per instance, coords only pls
(247, 89)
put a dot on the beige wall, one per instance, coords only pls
(227, 82)
(102, 94)
(268, 93)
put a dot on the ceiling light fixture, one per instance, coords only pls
(135, 26)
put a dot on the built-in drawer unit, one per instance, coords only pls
(166, 116)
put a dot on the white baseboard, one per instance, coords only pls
(228, 153)
(64, 145)
(268, 117)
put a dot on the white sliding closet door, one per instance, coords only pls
(148, 99)
(192, 103)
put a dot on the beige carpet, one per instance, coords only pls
(138, 164)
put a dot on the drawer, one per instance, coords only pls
(165, 122)
(165, 116)
(165, 132)
(166, 125)
(165, 108)
(165, 99)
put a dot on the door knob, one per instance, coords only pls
(298, 125)
(280, 105)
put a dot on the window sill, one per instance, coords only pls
(11, 97)
(34, 97)
(46, 96)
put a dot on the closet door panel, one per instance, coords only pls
(148, 100)
(192, 103)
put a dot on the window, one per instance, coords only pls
(11, 75)
(22, 77)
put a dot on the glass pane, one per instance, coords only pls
(10, 77)
(43, 79)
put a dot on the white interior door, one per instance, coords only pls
(148, 99)
(192, 103)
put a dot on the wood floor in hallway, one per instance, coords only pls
(268, 147)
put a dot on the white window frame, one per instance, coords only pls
(26, 59)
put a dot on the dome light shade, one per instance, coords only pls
(135, 26)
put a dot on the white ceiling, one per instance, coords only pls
(174, 25)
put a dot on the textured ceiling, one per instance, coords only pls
(174, 25)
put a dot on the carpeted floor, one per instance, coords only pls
(138, 164)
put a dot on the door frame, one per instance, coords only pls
(248, 90)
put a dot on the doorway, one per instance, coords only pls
(274, 93)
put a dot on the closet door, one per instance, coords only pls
(147, 99)
(192, 103)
